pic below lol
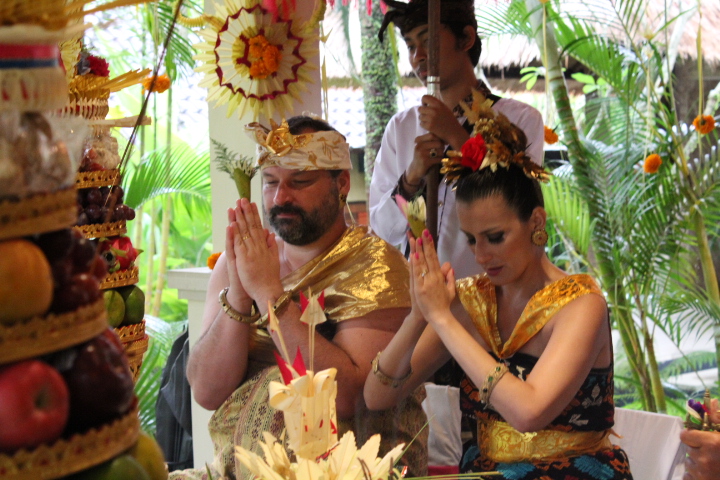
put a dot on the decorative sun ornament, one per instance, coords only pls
(253, 62)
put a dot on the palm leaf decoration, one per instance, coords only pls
(188, 176)
(568, 211)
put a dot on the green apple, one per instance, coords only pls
(124, 467)
(115, 306)
(134, 304)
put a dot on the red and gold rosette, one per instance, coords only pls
(253, 62)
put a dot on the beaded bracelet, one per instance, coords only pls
(234, 314)
(489, 384)
(384, 379)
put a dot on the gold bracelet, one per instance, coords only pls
(234, 314)
(280, 303)
(489, 384)
(384, 379)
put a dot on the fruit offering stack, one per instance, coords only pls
(102, 214)
(67, 401)
(124, 301)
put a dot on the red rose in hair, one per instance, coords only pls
(98, 66)
(473, 152)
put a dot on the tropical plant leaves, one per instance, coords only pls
(181, 171)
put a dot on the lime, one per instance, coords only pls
(148, 454)
(115, 306)
(124, 467)
(134, 304)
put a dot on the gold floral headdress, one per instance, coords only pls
(277, 147)
(494, 141)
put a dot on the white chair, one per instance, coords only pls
(652, 443)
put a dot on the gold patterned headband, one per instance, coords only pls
(495, 141)
(277, 147)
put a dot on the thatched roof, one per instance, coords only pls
(507, 51)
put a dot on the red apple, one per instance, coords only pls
(100, 382)
(34, 405)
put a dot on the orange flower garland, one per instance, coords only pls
(704, 124)
(652, 163)
(550, 135)
(161, 84)
(212, 260)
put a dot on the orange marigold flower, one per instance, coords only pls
(259, 70)
(704, 124)
(271, 58)
(652, 163)
(550, 135)
(161, 84)
(212, 260)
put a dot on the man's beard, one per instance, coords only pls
(306, 227)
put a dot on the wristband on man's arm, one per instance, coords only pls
(400, 188)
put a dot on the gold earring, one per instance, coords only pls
(539, 237)
(343, 198)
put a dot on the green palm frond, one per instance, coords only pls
(692, 362)
(183, 171)
(568, 211)
(504, 18)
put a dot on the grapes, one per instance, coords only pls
(82, 219)
(104, 215)
(93, 213)
(118, 213)
(82, 255)
(89, 285)
(117, 193)
(55, 245)
(61, 271)
(94, 197)
(129, 213)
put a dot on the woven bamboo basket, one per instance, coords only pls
(39, 213)
(46, 13)
(97, 230)
(120, 278)
(135, 341)
(99, 178)
(135, 352)
(41, 335)
(78, 453)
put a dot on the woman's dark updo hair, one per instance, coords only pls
(520, 192)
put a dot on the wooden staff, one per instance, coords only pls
(432, 177)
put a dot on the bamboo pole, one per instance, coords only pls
(432, 177)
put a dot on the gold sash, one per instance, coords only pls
(360, 273)
(477, 295)
(501, 443)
